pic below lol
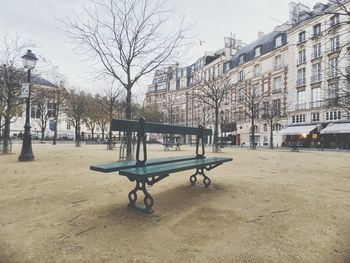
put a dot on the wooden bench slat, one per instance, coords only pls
(116, 166)
(162, 169)
(151, 127)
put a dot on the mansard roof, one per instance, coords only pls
(266, 42)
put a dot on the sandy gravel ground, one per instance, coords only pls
(266, 206)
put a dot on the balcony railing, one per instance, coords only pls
(336, 48)
(300, 106)
(316, 78)
(315, 104)
(275, 91)
(301, 82)
(334, 25)
(316, 55)
(301, 61)
(277, 66)
(333, 74)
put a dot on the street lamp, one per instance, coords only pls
(29, 61)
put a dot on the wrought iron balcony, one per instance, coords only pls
(333, 74)
(300, 106)
(315, 104)
(316, 55)
(301, 61)
(301, 82)
(278, 66)
(335, 48)
(316, 78)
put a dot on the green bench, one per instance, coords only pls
(148, 172)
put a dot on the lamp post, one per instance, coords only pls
(29, 61)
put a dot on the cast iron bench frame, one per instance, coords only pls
(137, 171)
(167, 143)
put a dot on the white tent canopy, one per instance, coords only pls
(336, 128)
(298, 130)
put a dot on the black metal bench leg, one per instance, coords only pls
(200, 171)
(193, 177)
(148, 199)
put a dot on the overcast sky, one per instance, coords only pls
(212, 21)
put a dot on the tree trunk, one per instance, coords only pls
(55, 129)
(253, 133)
(103, 134)
(6, 135)
(128, 117)
(42, 134)
(271, 134)
(110, 133)
(92, 133)
(216, 146)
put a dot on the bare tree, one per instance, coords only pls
(91, 115)
(58, 96)
(102, 115)
(129, 39)
(150, 112)
(249, 102)
(40, 106)
(111, 106)
(272, 114)
(213, 92)
(76, 110)
(11, 77)
(171, 112)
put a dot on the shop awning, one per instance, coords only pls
(298, 130)
(336, 128)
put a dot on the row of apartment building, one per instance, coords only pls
(301, 65)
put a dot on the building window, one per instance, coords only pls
(302, 56)
(316, 97)
(35, 112)
(335, 43)
(277, 85)
(51, 109)
(241, 59)
(257, 70)
(317, 30)
(333, 115)
(278, 41)
(301, 100)
(333, 67)
(241, 95)
(315, 117)
(277, 127)
(265, 127)
(301, 77)
(276, 107)
(241, 75)
(68, 126)
(278, 62)
(299, 118)
(334, 20)
(257, 51)
(302, 37)
(317, 50)
(316, 72)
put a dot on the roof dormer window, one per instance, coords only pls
(278, 41)
(257, 51)
(302, 37)
(241, 59)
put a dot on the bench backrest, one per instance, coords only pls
(142, 127)
(151, 127)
